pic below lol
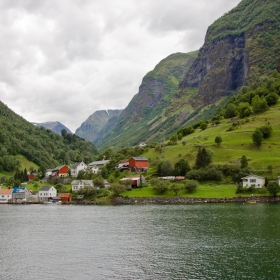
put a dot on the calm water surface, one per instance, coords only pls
(208, 241)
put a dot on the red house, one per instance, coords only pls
(138, 163)
(60, 171)
(66, 197)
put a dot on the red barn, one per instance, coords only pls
(60, 171)
(138, 163)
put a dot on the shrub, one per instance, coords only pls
(266, 131)
(205, 174)
(160, 186)
(191, 185)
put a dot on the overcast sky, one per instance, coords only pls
(62, 60)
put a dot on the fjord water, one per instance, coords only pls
(206, 241)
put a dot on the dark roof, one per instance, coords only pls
(45, 188)
(140, 158)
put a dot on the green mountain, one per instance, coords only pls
(98, 124)
(240, 47)
(143, 119)
(39, 145)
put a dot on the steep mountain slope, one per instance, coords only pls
(240, 46)
(38, 145)
(56, 127)
(98, 124)
(146, 110)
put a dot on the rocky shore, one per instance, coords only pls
(187, 200)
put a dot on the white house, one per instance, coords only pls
(142, 144)
(253, 180)
(76, 167)
(79, 184)
(96, 165)
(5, 195)
(46, 192)
(48, 173)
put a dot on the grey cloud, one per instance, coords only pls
(63, 60)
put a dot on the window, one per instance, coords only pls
(253, 180)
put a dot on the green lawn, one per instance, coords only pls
(203, 191)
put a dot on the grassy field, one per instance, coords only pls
(235, 143)
(203, 191)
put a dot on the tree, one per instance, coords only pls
(266, 131)
(273, 188)
(259, 104)
(117, 189)
(257, 137)
(203, 125)
(98, 182)
(176, 188)
(272, 98)
(159, 186)
(181, 167)
(203, 158)
(218, 140)
(230, 111)
(165, 168)
(244, 162)
(191, 185)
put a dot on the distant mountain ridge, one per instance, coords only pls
(56, 127)
(98, 124)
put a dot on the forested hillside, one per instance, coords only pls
(39, 145)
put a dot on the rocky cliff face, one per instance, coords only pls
(98, 124)
(235, 51)
(219, 70)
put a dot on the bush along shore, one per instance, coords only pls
(187, 200)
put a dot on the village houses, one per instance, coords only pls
(76, 168)
(96, 165)
(46, 193)
(80, 184)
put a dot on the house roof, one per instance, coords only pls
(140, 158)
(19, 189)
(75, 165)
(6, 191)
(45, 188)
(100, 162)
(59, 167)
(252, 175)
(65, 195)
(86, 182)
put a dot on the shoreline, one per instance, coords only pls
(187, 200)
(165, 200)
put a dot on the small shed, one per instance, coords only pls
(66, 197)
